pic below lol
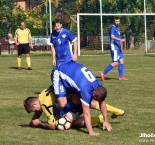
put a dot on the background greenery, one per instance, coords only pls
(135, 96)
(36, 19)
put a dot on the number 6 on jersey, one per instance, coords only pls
(88, 74)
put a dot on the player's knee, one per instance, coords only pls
(61, 105)
(122, 61)
(27, 55)
(114, 64)
(62, 102)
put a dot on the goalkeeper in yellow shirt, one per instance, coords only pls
(44, 104)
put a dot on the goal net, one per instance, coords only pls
(137, 29)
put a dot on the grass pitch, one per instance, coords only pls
(136, 97)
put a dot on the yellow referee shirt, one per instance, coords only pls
(23, 36)
(46, 103)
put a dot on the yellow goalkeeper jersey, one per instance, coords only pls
(23, 36)
(46, 103)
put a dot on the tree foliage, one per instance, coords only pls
(11, 15)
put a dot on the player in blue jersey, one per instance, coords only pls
(116, 51)
(75, 78)
(62, 40)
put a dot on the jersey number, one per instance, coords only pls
(88, 74)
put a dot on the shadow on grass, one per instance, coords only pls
(23, 125)
(107, 78)
(17, 68)
(81, 129)
(37, 93)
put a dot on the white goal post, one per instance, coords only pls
(101, 23)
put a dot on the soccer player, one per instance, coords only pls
(23, 40)
(45, 103)
(76, 78)
(62, 40)
(116, 51)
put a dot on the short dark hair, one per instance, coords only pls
(116, 18)
(55, 22)
(101, 93)
(28, 103)
(21, 22)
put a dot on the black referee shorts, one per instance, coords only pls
(23, 49)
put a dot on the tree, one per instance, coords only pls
(6, 15)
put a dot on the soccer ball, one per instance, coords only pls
(63, 123)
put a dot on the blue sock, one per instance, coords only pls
(62, 111)
(121, 70)
(108, 68)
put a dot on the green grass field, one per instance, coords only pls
(136, 97)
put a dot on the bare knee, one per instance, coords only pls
(27, 55)
(20, 56)
(114, 64)
(62, 102)
(121, 61)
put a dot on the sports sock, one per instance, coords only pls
(19, 61)
(108, 68)
(28, 60)
(110, 109)
(121, 70)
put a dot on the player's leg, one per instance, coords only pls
(110, 66)
(121, 67)
(60, 92)
(94, 121)
(19, 58)
(28, 59)
(115, 111)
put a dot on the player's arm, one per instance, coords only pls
(87, 119)
(30, 39)
(53, 55)
(73, 39)
(75, 50)
(36, 115)
(39, 123)
(35, 122)
(16, 37)
(106, 124)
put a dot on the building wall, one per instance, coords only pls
(28, 4)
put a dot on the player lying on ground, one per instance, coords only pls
(44, 104)
(74, 77)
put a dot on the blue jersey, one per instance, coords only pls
(114, 31)
(76, 78)
(62, 43)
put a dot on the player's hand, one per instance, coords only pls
(94, 133)
(74, 58)
(107, 126)
(122, 40)
(31, 46)
(35, 122)
(17, 43)
(54, 62)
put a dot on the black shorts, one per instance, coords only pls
(23, 49)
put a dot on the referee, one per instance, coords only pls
(22, 39)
